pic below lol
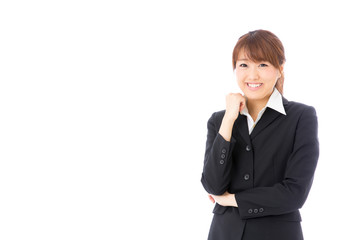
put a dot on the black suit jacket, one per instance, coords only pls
(270, 172)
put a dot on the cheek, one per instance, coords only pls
(240, 78)
(271, 74)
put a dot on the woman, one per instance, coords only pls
(261, 151)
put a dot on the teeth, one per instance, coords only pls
(254, 85)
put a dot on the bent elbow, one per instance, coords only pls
(299, 198)
(212, 187)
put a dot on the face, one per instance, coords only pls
(256, 79)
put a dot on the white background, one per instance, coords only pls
(104, 105)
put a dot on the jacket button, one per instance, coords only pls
(222, 156)
(223, 150)
(250, 211)
(261, 210)
(222, 161)
(248, 148)
(256, 210)
(246, 177)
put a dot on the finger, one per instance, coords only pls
(242, 103)
(211, 199)
(242, 106)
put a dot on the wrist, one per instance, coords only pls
(228, 118)
(231, 200)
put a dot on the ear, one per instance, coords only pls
(281, 70)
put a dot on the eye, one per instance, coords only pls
(242, 65)
(263, 65)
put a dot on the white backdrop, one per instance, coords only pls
(104, 105)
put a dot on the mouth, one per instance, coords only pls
(254, 86)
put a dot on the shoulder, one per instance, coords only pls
(216, 117)
(218, 114)
(297, 108)
(300, 112)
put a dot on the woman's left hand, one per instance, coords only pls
(227, 199)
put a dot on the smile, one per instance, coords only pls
(254, 85)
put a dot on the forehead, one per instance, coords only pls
(243, 56)
(249, 55)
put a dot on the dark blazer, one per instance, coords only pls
(270, 172)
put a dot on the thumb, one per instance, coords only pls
(242, 106)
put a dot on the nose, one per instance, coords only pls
(253, 73)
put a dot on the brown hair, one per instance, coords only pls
(262, 45)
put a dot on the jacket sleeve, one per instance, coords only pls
(290, 194)
(218, 159)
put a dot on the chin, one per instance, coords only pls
(253, 96)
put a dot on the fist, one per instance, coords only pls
(235, 102)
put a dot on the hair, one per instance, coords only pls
(262, 45)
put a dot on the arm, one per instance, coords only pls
(290, 194)
(219, 145)
(227, 199)
(218, 157)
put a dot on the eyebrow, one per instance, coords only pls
(245, 59)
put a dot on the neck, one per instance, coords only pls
(255, 106)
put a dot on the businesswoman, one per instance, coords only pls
(261, 151)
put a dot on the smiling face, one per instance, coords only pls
(256, 79)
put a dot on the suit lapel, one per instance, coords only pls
(241, 128)
(267, 118)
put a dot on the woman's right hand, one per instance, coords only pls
(235, 102)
